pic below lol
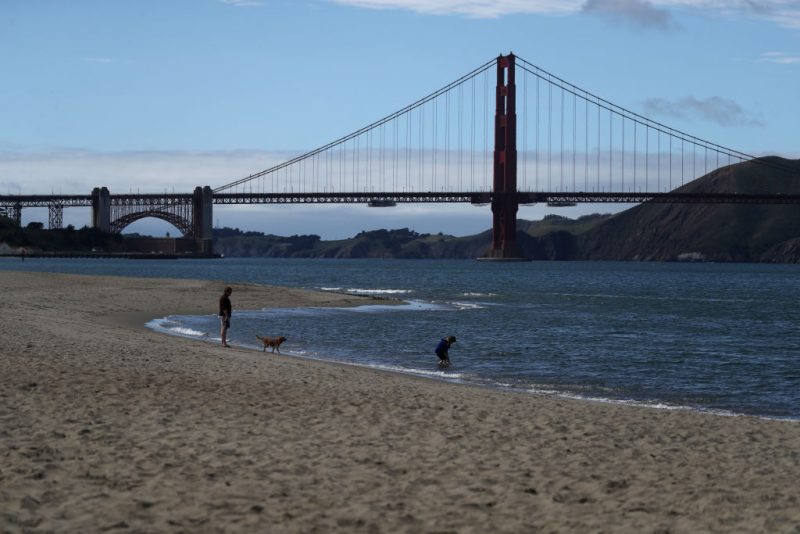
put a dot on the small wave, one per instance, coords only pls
(414, 371)
(408, 305)
(415, 305)
(362, 291)
(405, 305)
(313, 355)
(172, 327)
(471, 294)
(366, 291)
(657, 405)
(468, 305)
(188, 332)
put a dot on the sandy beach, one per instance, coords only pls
(107, 426)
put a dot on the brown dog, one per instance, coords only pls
(274, 342)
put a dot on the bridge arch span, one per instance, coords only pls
(183, 225)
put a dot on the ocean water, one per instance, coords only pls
(712, 337)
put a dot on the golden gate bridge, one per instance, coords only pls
(506, 134)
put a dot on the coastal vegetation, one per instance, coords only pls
(34, 236)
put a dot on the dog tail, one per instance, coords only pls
(259, 337)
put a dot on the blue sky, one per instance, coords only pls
(162, 95)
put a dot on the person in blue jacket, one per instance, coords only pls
(442, 350)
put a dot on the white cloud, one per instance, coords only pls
(789, 18)
(10, 187)
(242, 3)
(715, 109)
(79, 171)
(778, 57)
(637, 12)
(471, 8)
(786, 13)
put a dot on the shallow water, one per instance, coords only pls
(719, 337)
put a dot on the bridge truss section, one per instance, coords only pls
(176, 209)
(55, 219)
(13, 212)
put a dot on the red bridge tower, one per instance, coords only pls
(504, 198)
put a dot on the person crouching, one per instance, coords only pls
(443, 350)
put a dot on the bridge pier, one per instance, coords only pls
(192, 215)
(55, 216)
(504, 231)
(101, 209)
(15, 212)
(504, 199)
(202, 218)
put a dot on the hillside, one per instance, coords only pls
(647, 232)
(402, 243)
(709, 232)
(542, 238)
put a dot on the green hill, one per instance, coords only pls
(710, 232)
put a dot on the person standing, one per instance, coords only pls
(443, 350)
(225, 310)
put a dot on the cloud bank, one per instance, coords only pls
(652, 13)
(715, 109)
(79, 171)
(778, 57)
(242, 3)
(635, 12)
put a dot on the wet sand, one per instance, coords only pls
(105, 425)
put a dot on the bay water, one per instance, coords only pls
(711, 337)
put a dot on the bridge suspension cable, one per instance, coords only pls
(604, 147)
(571, 141)
(410, 150)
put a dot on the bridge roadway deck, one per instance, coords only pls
(386, 198)
(43, 201)
(480, 198)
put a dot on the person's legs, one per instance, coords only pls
(223, 333)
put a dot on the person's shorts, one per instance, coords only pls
(226, 323)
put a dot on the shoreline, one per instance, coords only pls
(104, 424)
(441, 377)
(433, 376)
